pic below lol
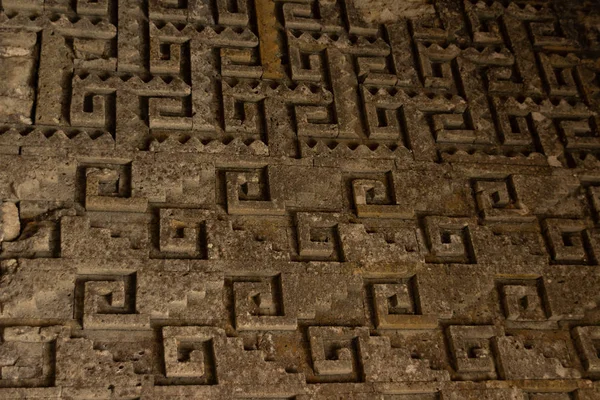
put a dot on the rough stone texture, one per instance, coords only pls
(10, 225)
(386, 11)
(300, 199)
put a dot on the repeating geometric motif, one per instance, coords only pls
(281, 199)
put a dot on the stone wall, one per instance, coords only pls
(299, 199)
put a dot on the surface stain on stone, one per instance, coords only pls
(270, 52)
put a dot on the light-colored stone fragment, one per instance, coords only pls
(10, 226)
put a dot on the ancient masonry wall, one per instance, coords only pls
(300, 199)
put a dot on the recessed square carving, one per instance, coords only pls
(318, 237)
(374, 196)
(189, 356)
(448, 240)
(261, 304)
(587, 339)
(396, 305)
(248, 192)
(107, 302)
(336, 353)
(107, 187)
(181, 233)
(497, 200)
(472, 352)
(524, 301)
(568, 241)
(28, 356)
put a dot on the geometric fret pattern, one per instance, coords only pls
(300, 199)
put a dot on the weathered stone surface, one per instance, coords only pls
(300, 199)
(385, 11)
